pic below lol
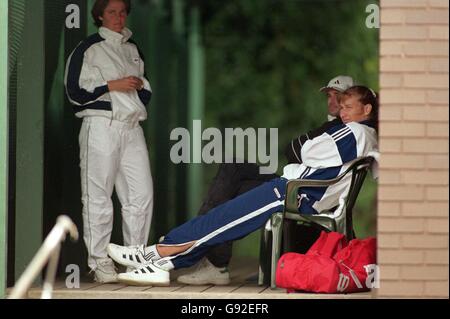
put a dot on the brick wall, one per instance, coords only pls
(413, 200)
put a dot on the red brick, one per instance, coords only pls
(401, 161)
(400, 256)
(401, 225)
(390, 272)
(425, 209)
(437, 226)
(426, 17)
(435, 146)
(403, 64)
(437, 162)
(424, 272)
(436, 288)
(424, 178)
(437, 193)
(422, 48)
(391, 80)
(401, 96)
(425, 81)
(438, 3)
(426, 114)
(402, 129)
(436, 257)
(401, 32)
(438, 32)
(388, 209)
(399, 288)
(402, 4)
(391, 48)
(388, 145)
(391, 113)
(409, 193)
(438, 65)
(392, 16)
(424, 241)
(385, 240)
(393, 178)
(437, 129)
(439, 97)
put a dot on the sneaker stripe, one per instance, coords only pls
(143, 270)
(124, 256)
(161, 262)
(150, 269)
(149, 256)
(138, 259)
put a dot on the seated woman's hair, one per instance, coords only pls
(99, 8)
(365, 96)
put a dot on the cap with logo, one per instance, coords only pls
(339, 83)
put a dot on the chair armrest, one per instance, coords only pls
(294, 184)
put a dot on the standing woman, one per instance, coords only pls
(106, 84)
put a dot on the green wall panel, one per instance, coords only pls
(3, 141)
(29, 137)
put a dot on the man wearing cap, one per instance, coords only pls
(234, 179)
(336, 86)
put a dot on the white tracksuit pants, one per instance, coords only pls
(114, 153)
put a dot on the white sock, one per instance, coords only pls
(151, 253)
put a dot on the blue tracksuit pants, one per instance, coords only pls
(230, 221)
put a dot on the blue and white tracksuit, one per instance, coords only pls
(324, 157)
(113, 151)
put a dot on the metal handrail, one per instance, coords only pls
(49, 252)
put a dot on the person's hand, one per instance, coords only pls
(129, 83)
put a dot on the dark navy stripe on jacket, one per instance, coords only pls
(345, 141)
(98, 105)
(75, 92)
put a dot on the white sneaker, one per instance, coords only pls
(105, 271)
(205, 273)
(147, 275)
(132, 256)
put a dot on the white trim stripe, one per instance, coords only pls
(224, 228)
(293, 150)
(342, 136)
(341, 132)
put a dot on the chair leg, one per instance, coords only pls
(264, 250)
(277, 220)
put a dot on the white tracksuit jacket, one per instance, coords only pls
(326, 157)
(113, 152)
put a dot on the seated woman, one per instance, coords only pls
(324, 157)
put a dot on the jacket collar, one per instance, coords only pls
(112, 36)
(369, 123)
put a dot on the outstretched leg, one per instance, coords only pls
(230, 221)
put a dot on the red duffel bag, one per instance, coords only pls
(327, 244)
(329, 266)
(355, 262)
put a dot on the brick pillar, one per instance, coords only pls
(413, 200)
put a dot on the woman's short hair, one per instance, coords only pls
(99, 8)
(365, 96)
